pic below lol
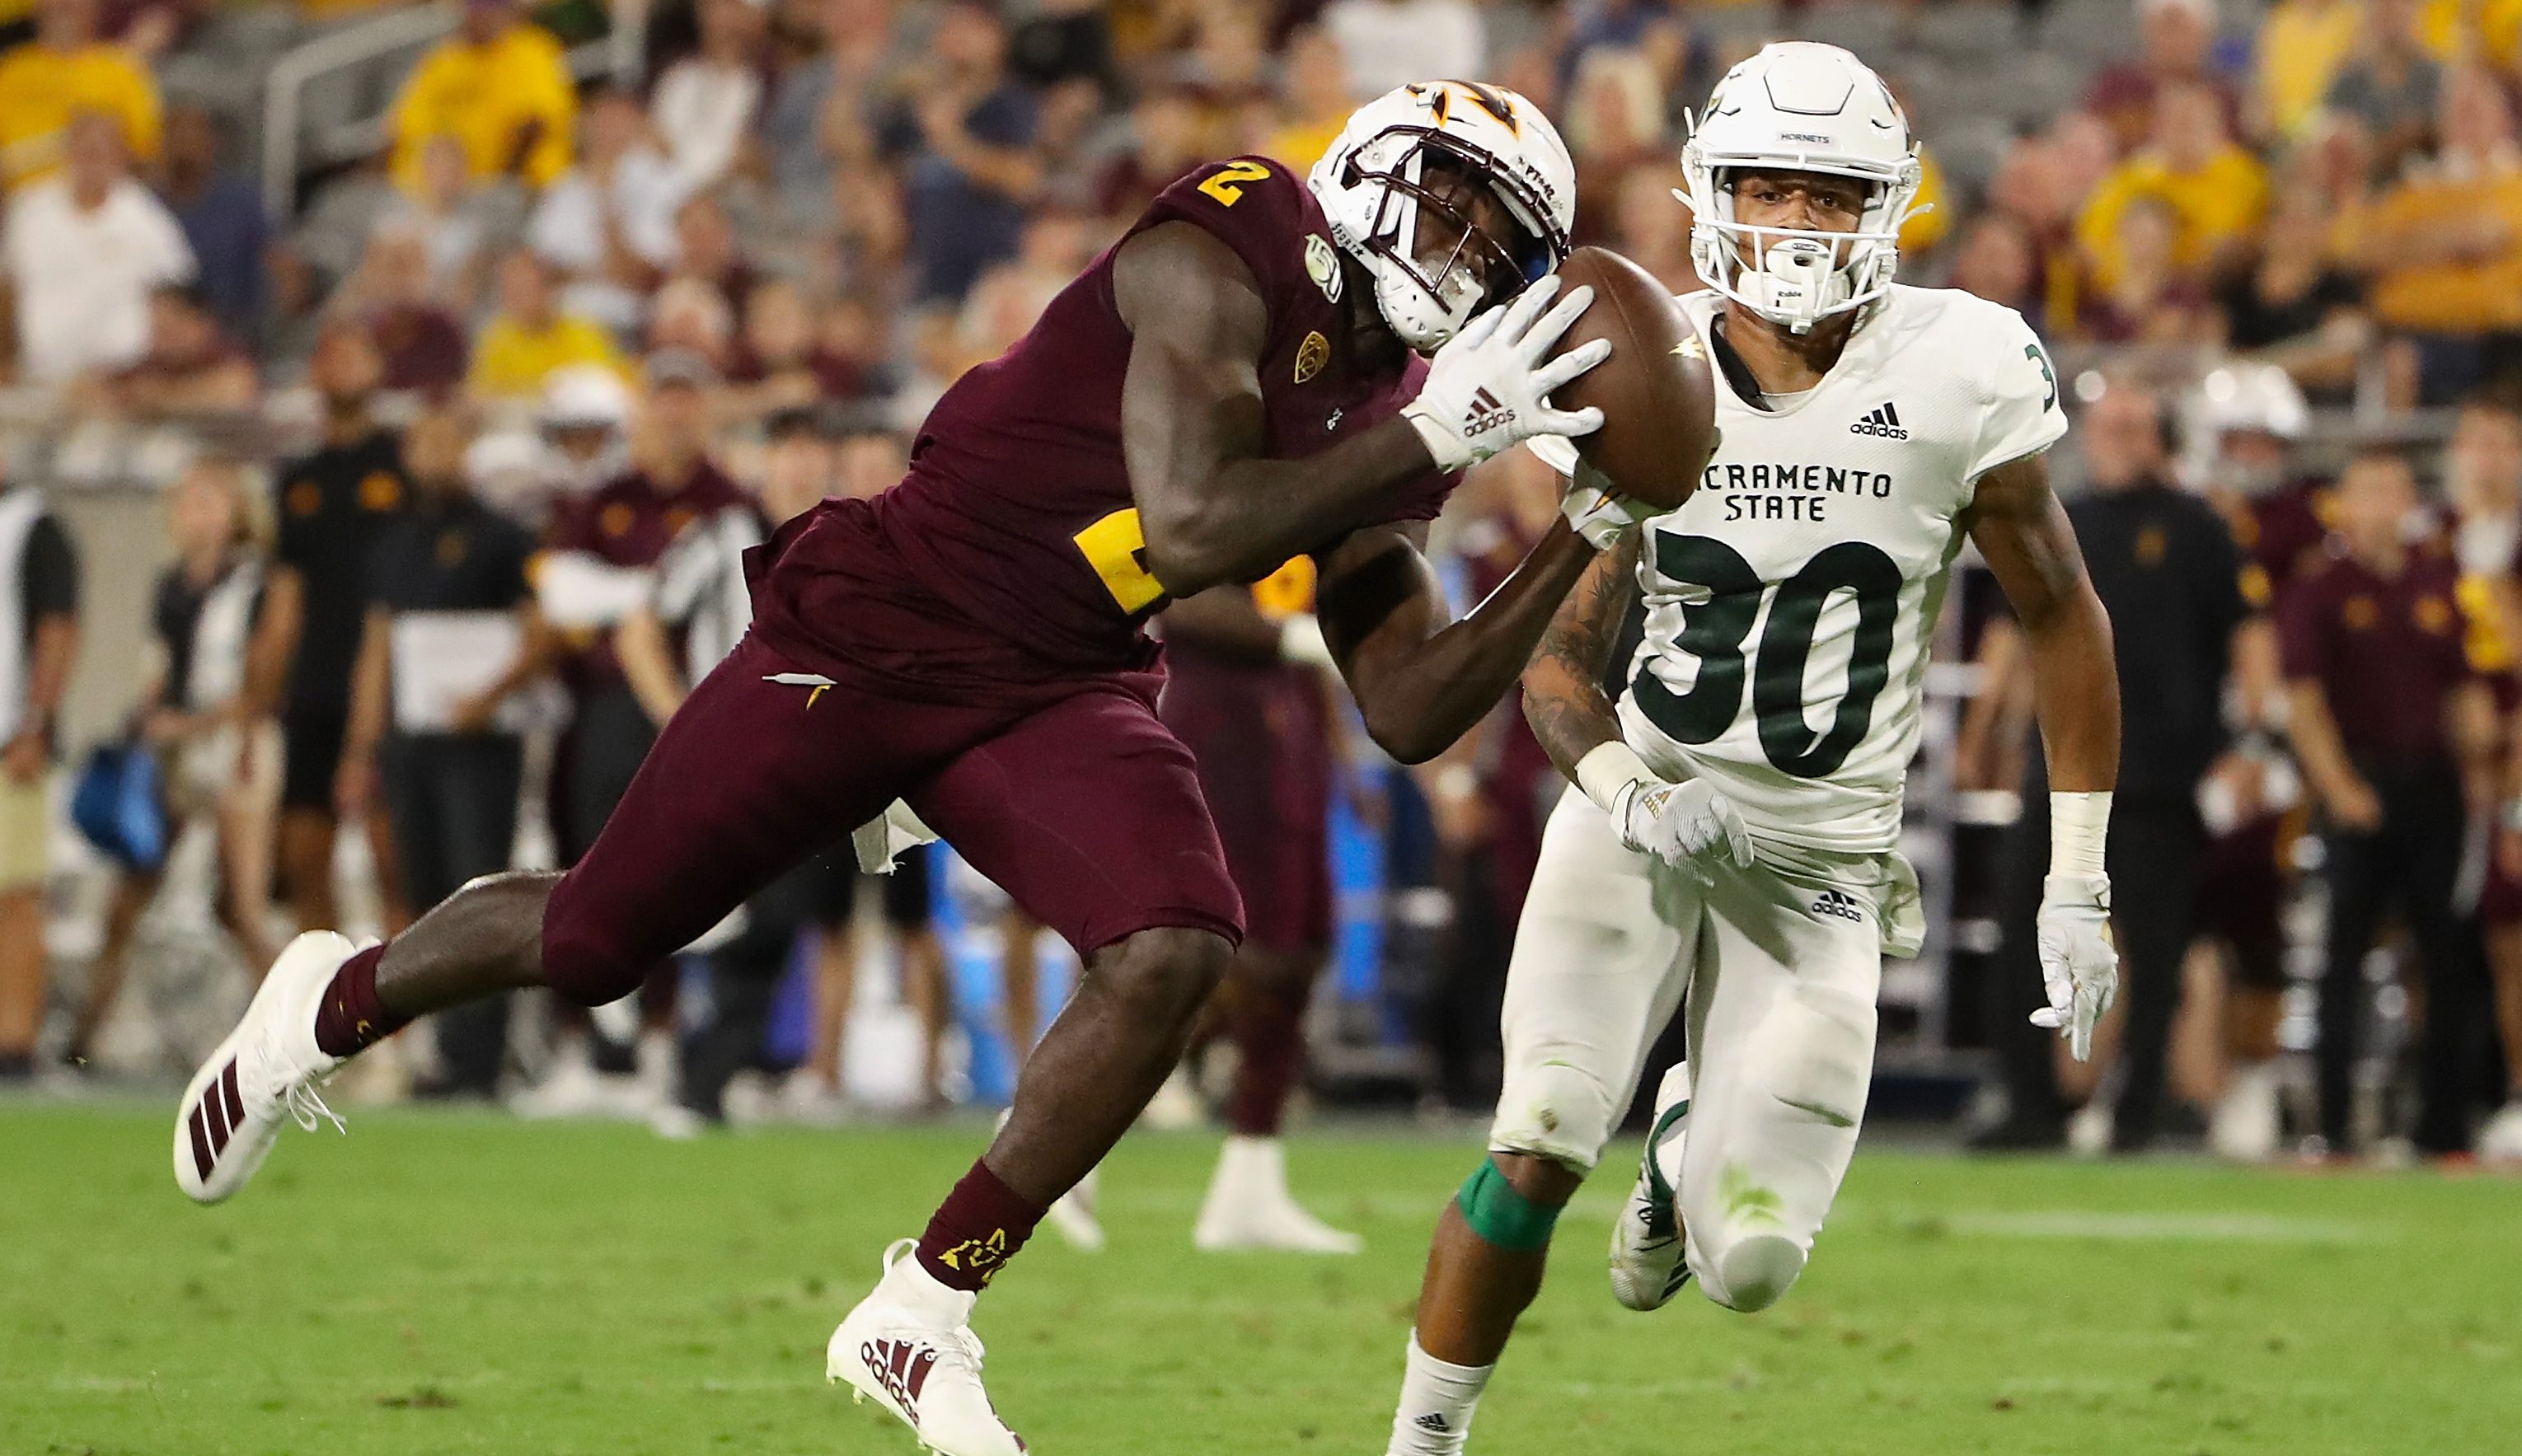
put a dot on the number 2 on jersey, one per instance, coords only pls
(1226, 183)
(1715, 630)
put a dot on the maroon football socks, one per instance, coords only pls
(1269, 1034)
(350, 1017)
(979, 1227)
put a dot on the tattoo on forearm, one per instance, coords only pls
(1563, 687)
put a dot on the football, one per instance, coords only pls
(1655, 391)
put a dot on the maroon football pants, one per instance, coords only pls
(1079, 804)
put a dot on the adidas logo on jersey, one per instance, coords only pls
(1485, 415)
(1885, 421)
(1840, 903)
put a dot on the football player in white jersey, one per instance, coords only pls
(1728, 847)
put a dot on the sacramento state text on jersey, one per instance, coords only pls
(1789, 602)
(1782, 490)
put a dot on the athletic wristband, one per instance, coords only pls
(1608, 768)
(1444, 446)
(2080, 826)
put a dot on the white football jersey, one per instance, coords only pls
(1791, 598)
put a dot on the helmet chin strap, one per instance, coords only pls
(1425, 318)
(1798, 284)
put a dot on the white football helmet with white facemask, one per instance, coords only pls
(1800, 107)
(2240, 397)
(1373, 186)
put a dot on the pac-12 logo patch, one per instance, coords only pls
(1322, 265)
(1312, 355)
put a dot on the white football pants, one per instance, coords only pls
(1780, 964)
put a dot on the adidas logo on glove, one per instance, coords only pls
(1485, 415)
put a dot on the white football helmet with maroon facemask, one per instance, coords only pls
(1800, 107)
(1373, 187)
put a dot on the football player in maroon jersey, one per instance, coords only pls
(1264, 366)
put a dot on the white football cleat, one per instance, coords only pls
(1248, 1207)
(2246, 1122)
(1073, 1217)
(1176, 1106)
(1650, 1258)
(572, 1088)
(910, 1348)
(264, 1075)
(2500, 1140)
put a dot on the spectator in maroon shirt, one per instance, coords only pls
(423, 345)
(2388, 718)
(1166, 140)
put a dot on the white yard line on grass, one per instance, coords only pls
(2236, 1227)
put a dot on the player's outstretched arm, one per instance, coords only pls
(1227, 622)
(1563, 684)
(1679, 823)
(2018, 527)
(1213, 506)
(1421, 681)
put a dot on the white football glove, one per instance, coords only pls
(1681, 824)
(2078, 964)
(1487, 388)
(1600, 513)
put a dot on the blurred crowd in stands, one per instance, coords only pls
(426, 422)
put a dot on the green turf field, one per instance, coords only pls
(459, 1283)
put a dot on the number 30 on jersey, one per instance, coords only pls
(1717, 631)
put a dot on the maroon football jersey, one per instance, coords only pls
(2280, 535)
(1017, 518)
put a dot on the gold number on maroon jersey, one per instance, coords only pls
(1226, 183)
(1116, 548)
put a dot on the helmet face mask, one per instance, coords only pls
(1401, 188)
(1450, 253)
(1802, 110)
